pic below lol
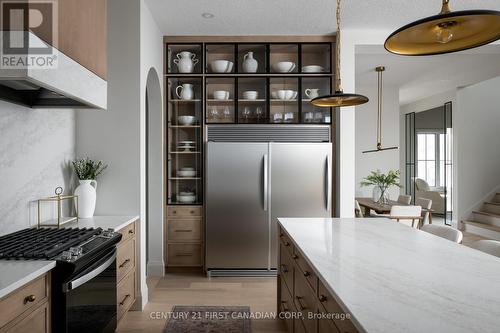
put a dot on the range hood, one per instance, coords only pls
(67, 84)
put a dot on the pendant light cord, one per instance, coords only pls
(379, 111)
(338, 86)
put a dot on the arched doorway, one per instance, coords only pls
(154, 175)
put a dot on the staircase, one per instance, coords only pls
(486, 221)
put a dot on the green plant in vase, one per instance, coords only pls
(382, 183)
(87, 172)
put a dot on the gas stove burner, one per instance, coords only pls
(45, 243)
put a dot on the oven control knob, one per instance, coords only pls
(107, 233)
(66, 255)
(76, 251)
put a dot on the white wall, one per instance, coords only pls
(36, 149)
(366, 135)
(152, 63)
(477, 135)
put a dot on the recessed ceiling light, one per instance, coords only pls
(207, 15)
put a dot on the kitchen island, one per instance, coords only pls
(376, 275)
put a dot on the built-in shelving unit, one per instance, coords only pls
(268, 96)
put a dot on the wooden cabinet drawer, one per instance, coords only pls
(125, 259)
(305, 301)
(326, 325)
(127, 232)
(184, 230)
(184, 255)
(286, 268)
(286, 308)
(25, 298)
(125, 294)
(331, 306)
(306, 271)
(185, 211)
(37, 321)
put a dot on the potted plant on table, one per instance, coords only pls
(381, 182)
(87, 172)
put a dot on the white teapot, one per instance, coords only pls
(185, 62)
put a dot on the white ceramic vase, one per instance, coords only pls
(86, 198)
(250, 65)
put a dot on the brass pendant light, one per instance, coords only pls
(339, 98)
(446, 32)
(379, 70)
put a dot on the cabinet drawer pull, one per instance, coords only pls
(131, 231)
(124, 263)
(184, 230)
(187, 254)
(322, 298)
(285, 270)
(295, 257)
(191, 212)
(124, 299)
(174, 212)
(301, 307)
(287, 243)
(306, 273)
(29, 299)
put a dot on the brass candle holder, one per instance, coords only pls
(58, 201)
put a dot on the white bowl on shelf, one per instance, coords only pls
(186, 197)
(186, 120)
(286, 94)
(221, 66)
(250, 94)
(221, 95)
(284, 67)
(312, 69)
(186, 173)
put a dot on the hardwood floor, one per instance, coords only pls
(195, 289)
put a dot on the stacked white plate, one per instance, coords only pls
(186, 145)
(186, 172)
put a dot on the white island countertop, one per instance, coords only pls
(393, 278)
(16, 273)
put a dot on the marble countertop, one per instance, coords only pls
(105, 222)
(16, 273)
(393, 278)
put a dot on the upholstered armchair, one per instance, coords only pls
(423, 190)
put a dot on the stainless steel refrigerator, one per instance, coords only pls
(250, 185)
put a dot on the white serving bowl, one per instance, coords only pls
(186, 173)
(221, 66)
(284, 67)
(250, 94)
(312, 69)
(187, 169)
(286, 94)
(186, 198)
(221, 95)
(186, 120)
(274, 94)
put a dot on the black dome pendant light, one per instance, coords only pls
(446, 32)
(379, 70)
(339, 98)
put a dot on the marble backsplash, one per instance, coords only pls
(36, 148)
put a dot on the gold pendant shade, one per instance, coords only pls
(446, 32)
(339, 99)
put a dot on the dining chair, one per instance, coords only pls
(444, 232)
(404, 199)
(425, 204)
(488, 246)
(406, 214)
(357, 209)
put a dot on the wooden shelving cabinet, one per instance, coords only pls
(202, 91)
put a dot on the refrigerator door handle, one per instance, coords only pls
(328, 184)
(266, 182)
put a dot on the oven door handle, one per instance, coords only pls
(89, 276)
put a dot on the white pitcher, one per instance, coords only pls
(185, 91)
(312, 93)
(185, 62)
(86, 198)
(250, 65)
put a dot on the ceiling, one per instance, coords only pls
(293, 17)
(419, 77)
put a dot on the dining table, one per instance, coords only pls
(369, 204)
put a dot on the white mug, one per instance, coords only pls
(312, 93)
